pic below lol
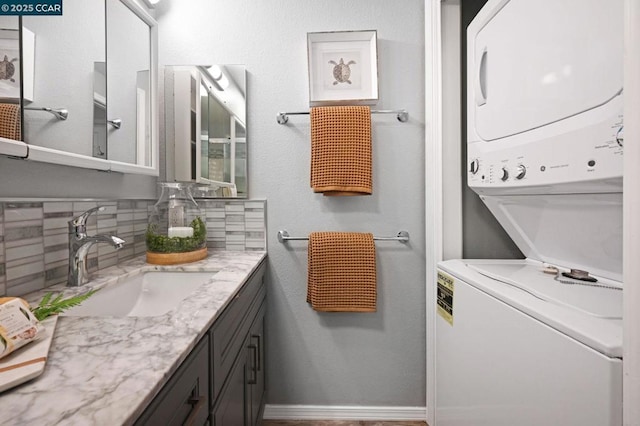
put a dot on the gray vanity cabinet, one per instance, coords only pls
(255, 383)
(241, 399)
(184, 399)
(222, 381)
(230, 407)
(237, 340)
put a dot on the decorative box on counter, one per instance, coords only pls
(176, 232)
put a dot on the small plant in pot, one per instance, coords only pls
(176, 232)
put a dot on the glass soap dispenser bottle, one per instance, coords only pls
(176, 232)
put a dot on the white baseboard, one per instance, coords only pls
(343, 412)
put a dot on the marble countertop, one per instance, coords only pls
(105, 371)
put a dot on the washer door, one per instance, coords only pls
(581, 231)
(538, 62)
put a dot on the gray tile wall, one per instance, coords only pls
(34, 241)
(235, 225)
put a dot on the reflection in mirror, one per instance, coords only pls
(66, 49)
(99, 110)
(128, 85)
(61, 84)
(205, 110)
(9, 78)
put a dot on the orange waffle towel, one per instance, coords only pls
(342, 272)
(10, 121)
(341, 150)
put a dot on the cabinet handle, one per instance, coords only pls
(253, 380)
(257, 337)
(199, 402)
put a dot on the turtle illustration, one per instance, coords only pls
(341, 71)
(7, 69)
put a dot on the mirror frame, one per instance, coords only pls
(25, 151)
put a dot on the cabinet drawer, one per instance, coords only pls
(185, 398)
(230, 329)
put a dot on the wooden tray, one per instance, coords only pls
(176, 258)
(29, 361)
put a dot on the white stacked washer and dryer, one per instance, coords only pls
(539, 341)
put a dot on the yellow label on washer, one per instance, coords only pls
(445, 296)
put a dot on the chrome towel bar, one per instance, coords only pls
(401, 114)
(60, 114)
(402, 236)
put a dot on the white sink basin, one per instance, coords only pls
(144, 295)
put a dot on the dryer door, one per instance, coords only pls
(537, 62)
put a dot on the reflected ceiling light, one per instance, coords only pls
(219, 79)
(151, 3)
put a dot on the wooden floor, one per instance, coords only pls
(338, 423)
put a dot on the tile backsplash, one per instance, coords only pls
(34, 235)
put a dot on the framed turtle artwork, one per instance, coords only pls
(10, 64)
(343, 67)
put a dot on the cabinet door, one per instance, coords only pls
(231, 328)
(255, 369)
(230, 408)
(184, 400)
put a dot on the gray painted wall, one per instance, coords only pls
(326, 359)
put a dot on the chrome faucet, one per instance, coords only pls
(79, 245)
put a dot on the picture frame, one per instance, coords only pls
(28, 64)
(343, 67)
(10, 64)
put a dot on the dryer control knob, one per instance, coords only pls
(474, 166)
(520, 171)
(505, 174)
(620, 136)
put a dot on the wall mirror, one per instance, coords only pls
(206, 122)
(87, 85)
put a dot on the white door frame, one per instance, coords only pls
(433, 184)
(631, 213)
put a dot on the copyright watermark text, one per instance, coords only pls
(30, 7)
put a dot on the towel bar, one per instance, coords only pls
(60, 114)
(402, 236)
(401, 114)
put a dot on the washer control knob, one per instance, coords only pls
(474, 166)
(620, 136)
(521, 170)
(505, 174)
